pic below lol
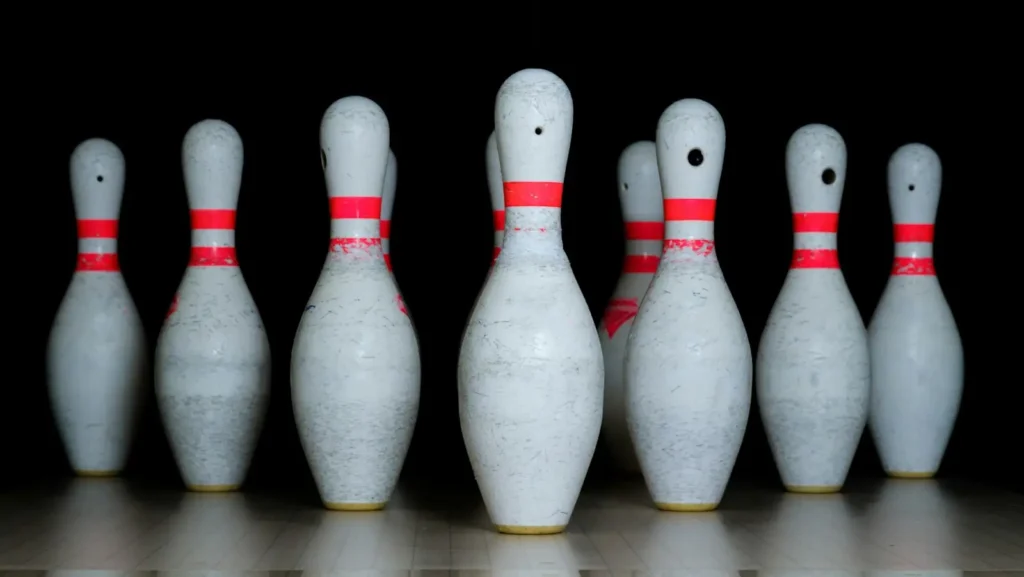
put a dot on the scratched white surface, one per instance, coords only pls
(530, 371)
(97, 356)
(900, 526)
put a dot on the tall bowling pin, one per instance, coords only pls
(688, 361)
(355, 361)
(640, 196)
(497, 191)
(917, 361)
(97, 359)
(530, 369)
(213, 357)
(387, 205)
(813, 374)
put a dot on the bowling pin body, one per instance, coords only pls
(213, 356)
(813, 372)
(640, 196)
(387, 205)
(355, 362)
(97, 358)
(530, 368)
(917, 360)
(688, 360)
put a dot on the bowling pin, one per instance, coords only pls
(530, 368)
(640, 197)
(355, 362)
(497, 191)
(213, 357)
(688, 361)
(97, 358)
(387, 205)
(813, 375)
(917, 361)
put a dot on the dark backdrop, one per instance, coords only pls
(441, 243)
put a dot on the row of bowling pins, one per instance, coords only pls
(674, 389)
(355, 369)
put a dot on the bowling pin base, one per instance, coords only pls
(97, 474)
(910, 475)
(814, 489)
(355, 506)
(530, 529)
(213, 488)
(687, 507)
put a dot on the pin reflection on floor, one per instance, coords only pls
(890, 529)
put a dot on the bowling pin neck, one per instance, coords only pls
(689, 228)
(644, 240)
(814, 240)
(499, 233)
(97, 246)
(213, 238)
(356, 228)
(913, 250)
(533, 213)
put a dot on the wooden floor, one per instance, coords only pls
(905, 527)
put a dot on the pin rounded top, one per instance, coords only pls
(915, 181)
(816, 169)
(494, 182)
(387, 203)
(354, 140)
(97, 179)
(640, 183)
(533, 126)
(211, 158)
(691, 149)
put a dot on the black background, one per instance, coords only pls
(441, 231)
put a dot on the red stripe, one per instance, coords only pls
(698, 246)
(702, 209)
(499, 220)
(213, 256)
(387, 260)
(815, 258)
(911, 266)
(213, 219)
(815, 222)
(642, 230)
(914, 232)
(352, 244)
(641, 263)
(355, 206)
(497, 251)
(97, 228)
(537, 194)
(385, 229)
(96, 262)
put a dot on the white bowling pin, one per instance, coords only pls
(917, 361)
(640, 196)
(355, 362)
(387, 205)
(213, 357)
(97, 358)
(530, 369)
(813, 374)
(688, 361)
(497, 190)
